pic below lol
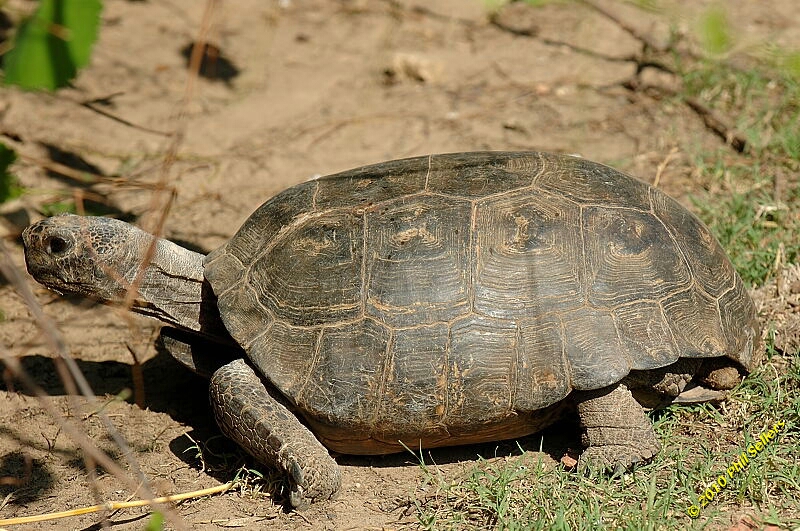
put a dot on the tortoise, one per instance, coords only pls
(433, 301)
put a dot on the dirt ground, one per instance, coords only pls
(299, 88)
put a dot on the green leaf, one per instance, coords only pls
(715, 31)
(9, 187)
(156, 522)
(52, 44)
(58, 207)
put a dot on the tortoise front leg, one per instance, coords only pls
(248, 413)
(617, 433)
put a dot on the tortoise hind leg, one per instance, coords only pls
(616, 432)
(248, 413)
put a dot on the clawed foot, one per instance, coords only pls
(307, 488)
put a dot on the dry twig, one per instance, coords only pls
(115, 506)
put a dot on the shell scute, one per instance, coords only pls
(528, 255)
(312, 274)
(417, 254)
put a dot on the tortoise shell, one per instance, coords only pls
(460, 298)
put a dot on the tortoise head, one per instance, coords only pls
(91, 256)
(100, 258)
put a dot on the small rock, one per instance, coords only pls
(410, 67)
(569, 461)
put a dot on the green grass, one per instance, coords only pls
(753, 202)
(764, 102)
(753, 228)
(700, 443)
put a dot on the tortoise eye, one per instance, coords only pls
(57, 245)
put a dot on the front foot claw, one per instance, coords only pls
(307, 487)
(297, 490)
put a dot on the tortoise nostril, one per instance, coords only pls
(57, 245)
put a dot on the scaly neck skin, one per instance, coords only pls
(171, 286)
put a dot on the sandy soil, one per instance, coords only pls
(299, 88)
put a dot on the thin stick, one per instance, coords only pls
(115, 506)
(663, 166)
(102, 112)
(85, 177)
(171, 156)
(712, 121)
(717, 124)
(63, 361)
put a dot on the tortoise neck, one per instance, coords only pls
(173, 289)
